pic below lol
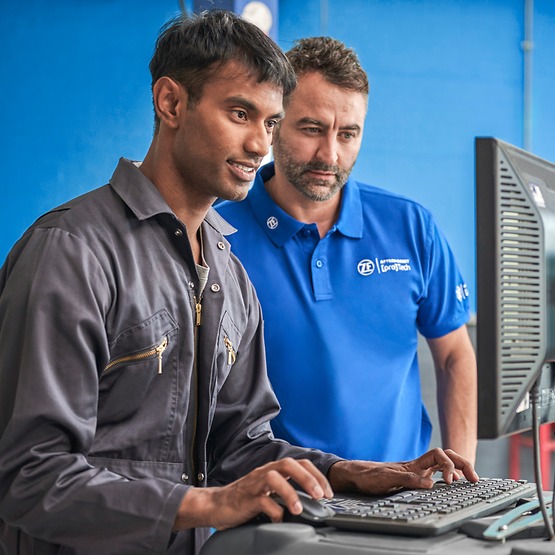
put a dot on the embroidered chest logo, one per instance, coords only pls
(366, 267)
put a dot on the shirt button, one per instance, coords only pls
(200, 477)
(319, 263)
(221, 245)
(215, 287)
(184, 477)
(191, 285)
(178, 232)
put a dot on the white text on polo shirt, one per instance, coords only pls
(394, 265)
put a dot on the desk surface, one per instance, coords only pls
(301, 539)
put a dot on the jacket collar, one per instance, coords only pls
(145, 201)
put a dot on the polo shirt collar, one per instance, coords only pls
(280, 226)
(350, 221)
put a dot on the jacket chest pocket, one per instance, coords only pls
(140, 375)
(227, 346)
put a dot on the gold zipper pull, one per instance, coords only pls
(198, 311)
(155, 351)
(231, 356)
(159, 350)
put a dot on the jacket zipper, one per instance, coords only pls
(198, 321)
(155, 351)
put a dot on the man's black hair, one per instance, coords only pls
(192, 49)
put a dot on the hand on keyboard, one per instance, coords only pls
(381, 478)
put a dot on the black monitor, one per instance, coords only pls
(515, 244)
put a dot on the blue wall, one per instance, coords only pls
(75, 95)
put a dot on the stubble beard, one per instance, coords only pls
(295, 172)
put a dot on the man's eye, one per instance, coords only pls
(312, 130)
(241, 114)
(271, 123)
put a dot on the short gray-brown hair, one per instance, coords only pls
(338, 63)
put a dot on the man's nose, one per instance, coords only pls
(258, 141)
(327, 151)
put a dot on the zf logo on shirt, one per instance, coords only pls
(367, 267)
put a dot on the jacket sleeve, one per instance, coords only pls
(53, 301)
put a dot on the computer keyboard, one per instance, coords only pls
(430, 512)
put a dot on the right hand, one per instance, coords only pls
(377, 478)
(234, 504)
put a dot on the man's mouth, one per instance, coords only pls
(244, 170)
(323, 174)
(321, 171)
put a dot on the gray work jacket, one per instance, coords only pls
(120, 387)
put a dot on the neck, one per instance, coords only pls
(189, 206)
(323, 213)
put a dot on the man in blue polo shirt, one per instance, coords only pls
(347, 275)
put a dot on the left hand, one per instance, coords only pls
(380, 478)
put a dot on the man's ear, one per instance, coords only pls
(169, 98)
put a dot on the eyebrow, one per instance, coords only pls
(312, 121)
(246, 103)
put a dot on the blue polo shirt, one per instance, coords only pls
(342, 313)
